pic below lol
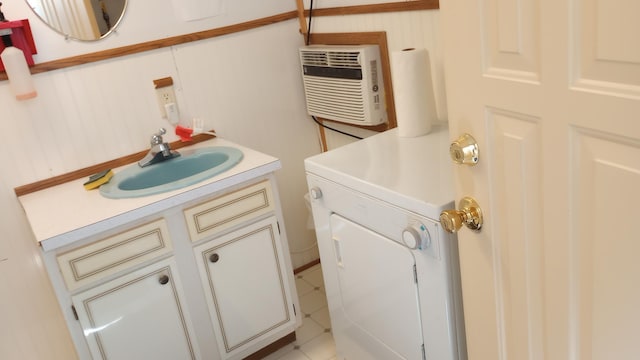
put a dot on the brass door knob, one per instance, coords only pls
(464, 150)
(469, 215)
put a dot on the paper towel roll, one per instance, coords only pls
(413, 92)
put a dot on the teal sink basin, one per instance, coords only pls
(192, 167)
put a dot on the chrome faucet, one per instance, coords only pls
(160, 150)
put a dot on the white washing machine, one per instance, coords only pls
(391, 272)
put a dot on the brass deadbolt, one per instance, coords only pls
(464, 150)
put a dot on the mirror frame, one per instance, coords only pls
(87, 28)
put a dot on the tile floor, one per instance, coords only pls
(313, 339)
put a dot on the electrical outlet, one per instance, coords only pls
(166, 95)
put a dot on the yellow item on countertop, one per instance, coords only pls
(98, 179)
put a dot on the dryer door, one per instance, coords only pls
(379, 295)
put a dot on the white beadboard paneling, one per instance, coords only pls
(335, 139)
(118, 100)
(14, 125)
(87, 114)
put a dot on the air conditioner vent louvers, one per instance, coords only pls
(341, 83)
(313, 58)
(344, 59)
(332, 59)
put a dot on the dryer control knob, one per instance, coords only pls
(416, 236)
(315, 193)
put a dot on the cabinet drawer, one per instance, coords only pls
(229, 210)
(110, 255)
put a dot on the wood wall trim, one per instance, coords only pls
(94, 169)
(414, 5)
(301, 19)
(226, 30)
(156, 44)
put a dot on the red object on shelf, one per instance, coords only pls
(22, 39)
(184, 133)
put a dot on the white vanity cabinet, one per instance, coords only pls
(125, 294)
(201, 272)
(137, 316)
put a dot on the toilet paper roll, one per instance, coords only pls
(413, 92)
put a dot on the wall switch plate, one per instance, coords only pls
(166, 95)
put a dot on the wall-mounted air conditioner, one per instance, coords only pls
(344, 83)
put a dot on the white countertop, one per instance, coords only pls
(412, 173)
(66, 213)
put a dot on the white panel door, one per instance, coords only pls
(550, 89)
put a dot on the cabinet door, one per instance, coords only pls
(137, 316)
(247, 290)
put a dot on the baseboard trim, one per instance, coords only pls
(273, 347)
(306, 266)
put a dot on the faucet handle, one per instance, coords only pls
(156, 138)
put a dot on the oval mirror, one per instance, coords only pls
(85, 20)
